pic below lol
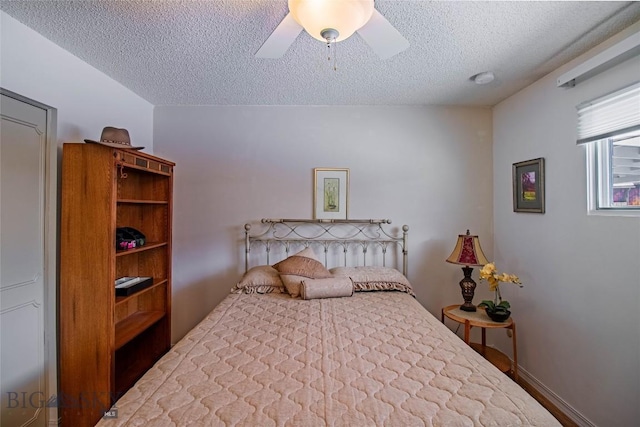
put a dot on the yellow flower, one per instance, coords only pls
(489, 273)
(488, 270)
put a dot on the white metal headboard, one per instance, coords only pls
(335, 238)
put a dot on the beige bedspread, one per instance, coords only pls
(377, 358)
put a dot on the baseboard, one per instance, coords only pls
(566, 409)
(54, 419)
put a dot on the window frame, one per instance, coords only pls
(598, 187)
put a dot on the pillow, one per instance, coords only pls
(332, 287)
(375, 279)
(300, 266)
(262, 279)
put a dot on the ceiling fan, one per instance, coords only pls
(333, 21)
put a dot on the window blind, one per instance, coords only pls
(616, 113)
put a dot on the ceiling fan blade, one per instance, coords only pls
(282, 37)
(382, 37)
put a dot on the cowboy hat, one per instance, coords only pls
(114, 137)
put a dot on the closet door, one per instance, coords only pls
(23, 154)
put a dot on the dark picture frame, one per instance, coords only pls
(528, 186)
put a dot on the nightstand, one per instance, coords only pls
(480, 319)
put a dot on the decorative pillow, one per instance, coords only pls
(332, 287)
(375, 279)
(262, 279)
(300, 266)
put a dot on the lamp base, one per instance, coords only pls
(468, 307)
(468, 287)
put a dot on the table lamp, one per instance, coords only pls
(469, 254)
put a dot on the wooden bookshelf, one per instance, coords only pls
(134, 324)
(106, 342)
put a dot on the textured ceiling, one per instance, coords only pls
(202, 52)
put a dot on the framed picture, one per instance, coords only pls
(330, 193)
(528, 186)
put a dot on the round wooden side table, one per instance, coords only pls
(480, 319)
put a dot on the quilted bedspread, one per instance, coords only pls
(374, 359)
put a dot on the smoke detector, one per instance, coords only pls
(483, 78)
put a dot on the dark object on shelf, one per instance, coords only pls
(498, 315)
(126, 286)
(140, 238)
(129, 238)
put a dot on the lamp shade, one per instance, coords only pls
(345, 16)
(468, 251)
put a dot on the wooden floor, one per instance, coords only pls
(560, 416)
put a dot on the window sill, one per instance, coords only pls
(615, 212)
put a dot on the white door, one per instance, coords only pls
(23, 186)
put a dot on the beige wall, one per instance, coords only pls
(578, 314)
(430, 168)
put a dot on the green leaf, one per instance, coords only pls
(505, 304)
(488, 304)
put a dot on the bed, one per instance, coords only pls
(374, 357)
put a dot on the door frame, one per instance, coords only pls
(51, 261)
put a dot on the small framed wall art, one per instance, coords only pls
(528, 186)
(330, 193)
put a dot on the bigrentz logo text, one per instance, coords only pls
(37, 399)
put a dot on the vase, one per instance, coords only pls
(498, 316)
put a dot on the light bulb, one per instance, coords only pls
(344, 16)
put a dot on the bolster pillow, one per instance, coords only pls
(332, 287)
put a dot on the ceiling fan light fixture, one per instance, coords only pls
(330, 34)
(345, 17)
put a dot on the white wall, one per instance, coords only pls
(87, 100)
(578, 314)
(430, 168)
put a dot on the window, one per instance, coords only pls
(617, 172)
(610, 125)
